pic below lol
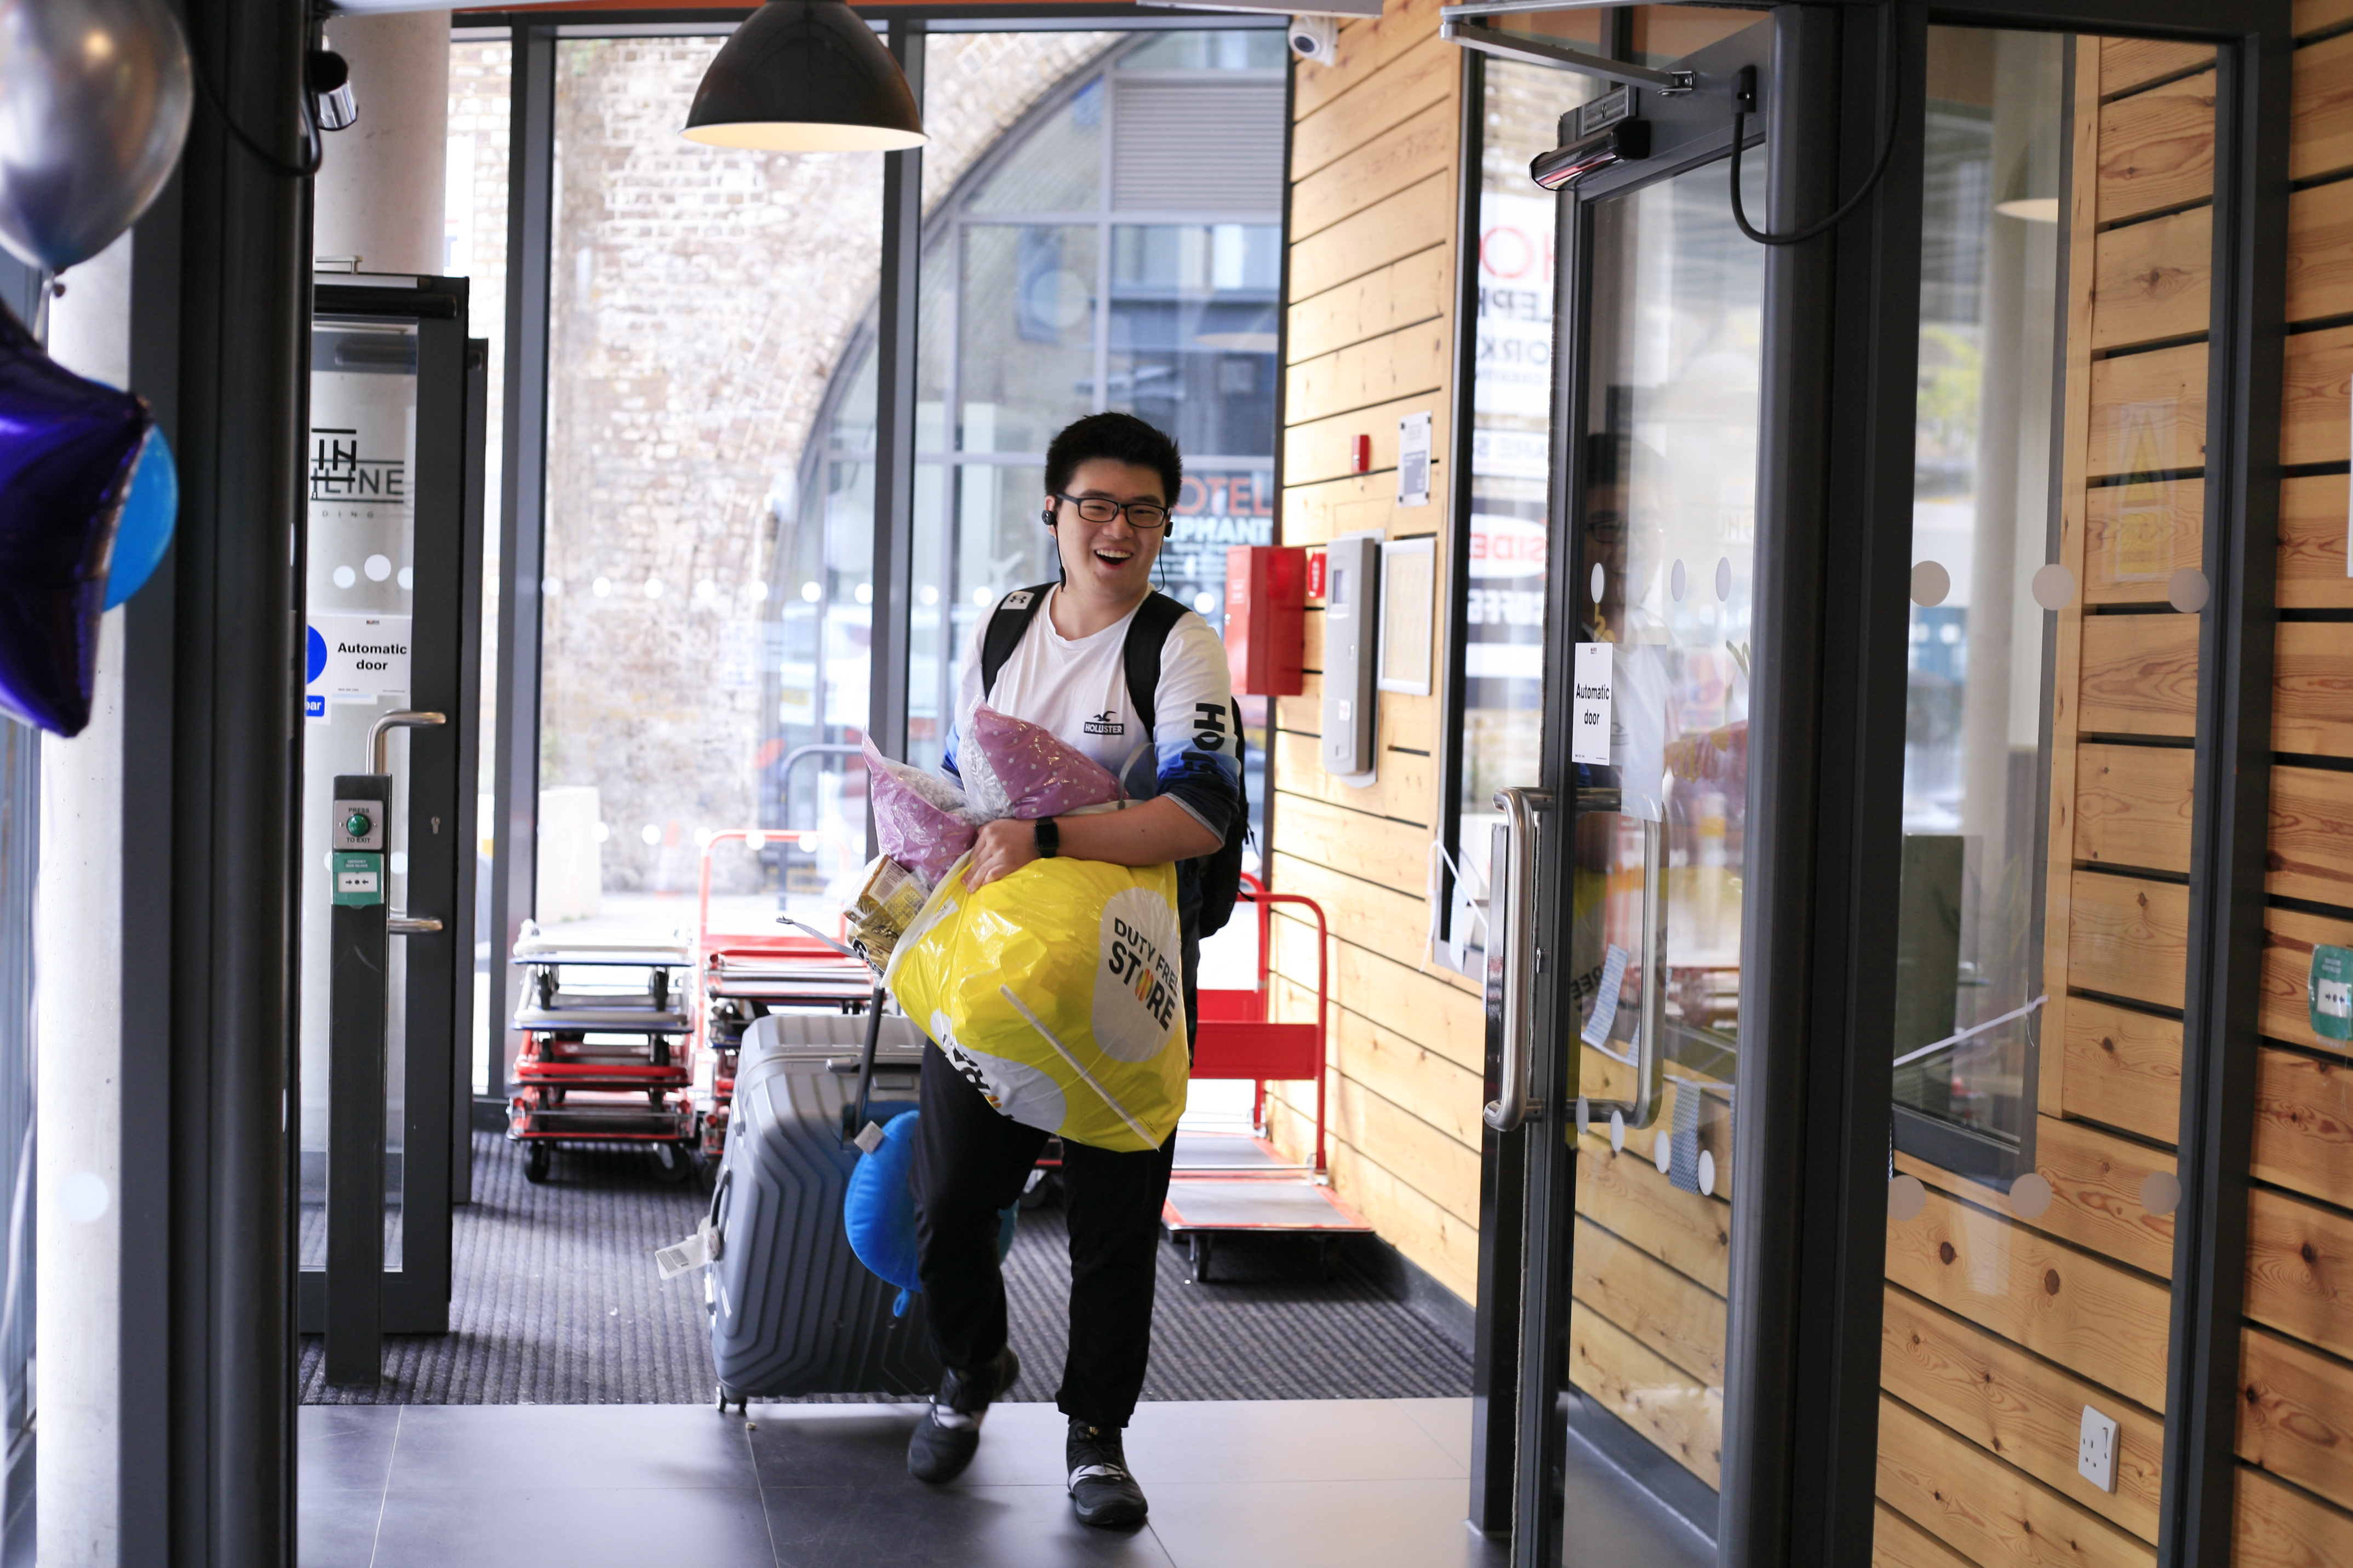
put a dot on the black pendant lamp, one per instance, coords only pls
(804, 76)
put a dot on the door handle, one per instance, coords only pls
(380, 732)
(1650, 1021)
(1519, 807)
(396, 923)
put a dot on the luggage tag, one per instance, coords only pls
(699, 1250)
(870, 1138)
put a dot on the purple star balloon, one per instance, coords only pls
(67, 449)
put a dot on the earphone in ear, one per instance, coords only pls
(1047, 517)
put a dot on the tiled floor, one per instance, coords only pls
(1366, 1483)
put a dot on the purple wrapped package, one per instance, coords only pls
(921, 819)
(1015, 769)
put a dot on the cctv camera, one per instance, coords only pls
(1315, 38)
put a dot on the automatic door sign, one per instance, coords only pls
(1589, 712)
(2329, 992)
(355, 658)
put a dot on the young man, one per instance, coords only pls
(1111, 482)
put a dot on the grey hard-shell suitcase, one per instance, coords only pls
(792, 1309)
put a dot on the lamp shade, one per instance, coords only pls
(804, 76)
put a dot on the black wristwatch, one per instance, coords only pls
(1049, 838)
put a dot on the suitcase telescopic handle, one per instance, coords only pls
(866, 1063)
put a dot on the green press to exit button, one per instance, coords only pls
(359, 877)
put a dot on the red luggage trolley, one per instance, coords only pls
(745, 975)
(604, 1057)
(1228, 1182)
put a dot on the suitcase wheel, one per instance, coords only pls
(671, 1163)
(535, 1161)
(742, 1402)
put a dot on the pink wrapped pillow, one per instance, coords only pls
(1014, 768)
(921, 819)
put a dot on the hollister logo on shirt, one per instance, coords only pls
(1103, 723)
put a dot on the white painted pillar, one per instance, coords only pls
(77, 982)
(382, 183)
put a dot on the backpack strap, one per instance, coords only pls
(1147, 634)
(1007, 624)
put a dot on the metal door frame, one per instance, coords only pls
(444, 676)
(1808, 1243)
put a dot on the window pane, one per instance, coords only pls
(1193, 332)
(1058, 169)
(1027, 334)
(1255, 49)
(1511, 449)
(1975, 756)
(703, 300)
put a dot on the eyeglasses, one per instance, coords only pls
(1141, 514)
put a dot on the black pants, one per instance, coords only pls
(970, 1164)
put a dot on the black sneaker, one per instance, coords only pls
(945, 1439)
(1102, 1492)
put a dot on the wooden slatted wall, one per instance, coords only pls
(1375, 165)
(2003, 1321)
(2296, 1420)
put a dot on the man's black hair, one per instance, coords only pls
(1122, 438)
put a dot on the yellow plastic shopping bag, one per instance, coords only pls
(1057, 991)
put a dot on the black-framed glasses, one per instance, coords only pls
(1141, 514)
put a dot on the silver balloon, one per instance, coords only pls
(94, 103)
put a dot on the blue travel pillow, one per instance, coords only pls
(879, 1210)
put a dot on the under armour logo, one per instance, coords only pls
(1018, 600)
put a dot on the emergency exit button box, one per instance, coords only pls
(1266, 619)
(359, 877)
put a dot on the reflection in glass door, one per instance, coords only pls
(1670, 380)
(2059, 451)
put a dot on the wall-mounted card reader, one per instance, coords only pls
(1351, 640)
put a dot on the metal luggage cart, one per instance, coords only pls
(607, 1028)
(742, 976)
(1239, 1183)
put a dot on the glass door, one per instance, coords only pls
(2034, 944)
(1617, 980)
(392, 592)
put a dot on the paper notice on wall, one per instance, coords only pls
(1413, 460)
(1589, 708)
(355, 658)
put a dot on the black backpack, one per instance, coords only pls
(1218, 874)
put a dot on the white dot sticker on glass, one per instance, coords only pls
(2053, 587)
(1677, 582)
(2160, 1193)
(1599, 581)
(1617, 1132)
(1724, 578)
(377, 567)
(1930, 584)
(1584, 1116)
(345, 576)
(2188, 590)
(1707, 1172)
(2029, 1195)
(1905, 1198)
(1663, 1150)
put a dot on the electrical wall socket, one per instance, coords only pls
(2095, 1450)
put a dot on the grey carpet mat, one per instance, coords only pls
(556, 1301)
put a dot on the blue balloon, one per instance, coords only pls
(68, 448)
(148, 515)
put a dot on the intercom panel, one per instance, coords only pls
(1351, 642)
